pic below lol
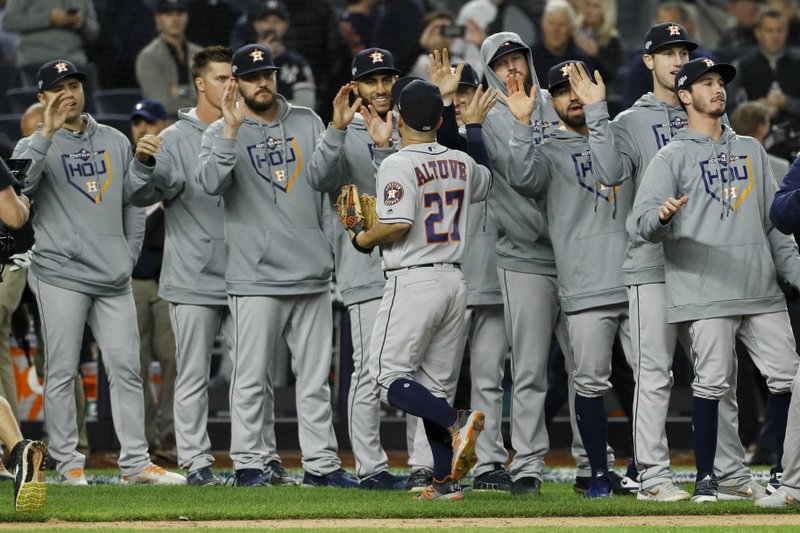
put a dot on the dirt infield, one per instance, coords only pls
(604, 521)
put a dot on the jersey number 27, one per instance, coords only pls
(433, 202)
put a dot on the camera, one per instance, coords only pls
(19, 171)
(454, 30)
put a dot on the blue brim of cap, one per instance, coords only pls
(276, 69)
(80, 75)
(147, 116)
(690, 45)
(379, 69)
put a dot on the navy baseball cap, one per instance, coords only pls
(54, 71)
(262, 9)
(373, 60)
(665, 34)
(421, 105)
(695, 68)
(172, 5)
(252, 58)
(508, 47)
(150, 110)
(559, 74)
(469, 77)
(398, 87)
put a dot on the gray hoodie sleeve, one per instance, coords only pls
(658, 184)
(217, 159)
(782, 247)
(528, 170)
(34, 147)
(609, 164)
(326, 170)
(151, 184)
(133, 218)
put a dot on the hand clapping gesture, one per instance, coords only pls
(587, 91)
(520, 104)
(343, 112)
(232, 112)
(380, 130)
(479, 107)
(56, 112)
(441, 74)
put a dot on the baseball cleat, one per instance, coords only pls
(599, 486)
(275, 474)
(338, 478)
(630, 481)
(527, 486)
(419, 479)
(619, 486)
(30, 489)
(382, 481)
(663, 492)
(203, 477)
(705, 489)
(749, 491)
(774, 480)
(250, 477)
(4, 473)
(449, 489)
(497, 479)
(464, 432)
(155, 475)
(779, 498)
(75, 477)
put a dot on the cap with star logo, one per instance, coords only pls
(692, 70)
(666, 34)
(559, 74)
(251, 58)
(373, 60)
(54, 71)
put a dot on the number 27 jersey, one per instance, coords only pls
(428, 186)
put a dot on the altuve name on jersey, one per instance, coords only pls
(440, 169)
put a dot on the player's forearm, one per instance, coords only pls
(13, 213)
(381, 234)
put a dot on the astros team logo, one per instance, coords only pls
(270, 159)
(564, 71)
(90, 173)
(61, 67)
(257, 55)
(392, 193)
(674, 29)
(376, 57)
(730, 176)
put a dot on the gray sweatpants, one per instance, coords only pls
(653, 342)
(791, 446)
(195, 327)
(363, 400)
(306, 323)
(113, 322)
(532, 315)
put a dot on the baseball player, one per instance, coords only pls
(87, 240)
(422, 190)
(344, 155)
(588, 235)
(26, 459)
(706, 195)
(784, 214)
(279, 264)
(527, 274)
(193, 273)
(639, 133)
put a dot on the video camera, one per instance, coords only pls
(19, 172)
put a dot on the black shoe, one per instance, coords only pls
(338, 478)
(527, 486)
(497, 479)
(581, 484)
(419, 479)
(203, 477)
(27, 459)
(619, 486)
(383, 481)
(250, 477)
(275, 474)
(705, 489)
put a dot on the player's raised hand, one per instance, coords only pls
(441, 74)
(475, 112)
(56, 112)
(670, 207)
(380, 130)
(147, 147)
(519, 103)
(343, 111)
(587, 91)
(232, 111)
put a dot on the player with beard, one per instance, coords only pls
(279, 264)
(706, 196)
(588, 235)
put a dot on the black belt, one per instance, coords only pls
(426, 265)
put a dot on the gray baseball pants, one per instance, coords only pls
(791, 446)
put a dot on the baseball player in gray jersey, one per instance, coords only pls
(639, 133)
(193, 273)
(422, 221)
(87, 239)
(344, 155)
(527, 273)
(707, 195)
(279, 264)
(588, 248)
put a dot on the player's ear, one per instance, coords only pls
(684, 96)
(647, 59)
(199, 85)
(439, 123)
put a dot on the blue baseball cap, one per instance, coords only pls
(398, 87)
(695, 68)
(469, 77)
(150, 110)
(252, 58)
(421, 105)
(666, 34)
(559, 74)
(54, 71)
(373, 60)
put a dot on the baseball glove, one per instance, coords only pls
(370, 211)
(348, 205)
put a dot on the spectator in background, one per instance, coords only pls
(356, 23)
(51, 28)
(769, 74)
(556, 44)
(440, 32)
(639, 80)
(493, 16)
(399, 31)
(267, 23)
(753, 119)
(741, 32)
(214, 20)
(790, 9)
(597, 36)
(162, 67)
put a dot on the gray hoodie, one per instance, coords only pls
(193, 271)
(343, 157)
(274, 220)
(87, 236)
(522, 241)
(722, 253)
(588, 227)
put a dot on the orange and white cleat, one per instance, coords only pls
(155, 475)
(465, 431)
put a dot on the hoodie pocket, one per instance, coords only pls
(296, 254)
(105, 259)
(70, 247)
(599, 262)
(214, 263)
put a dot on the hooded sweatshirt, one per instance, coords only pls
(343, 157)
(588, 228)
(87, 236)
(523, 244)
(193, 270)
(722, 253)
(274, 220)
